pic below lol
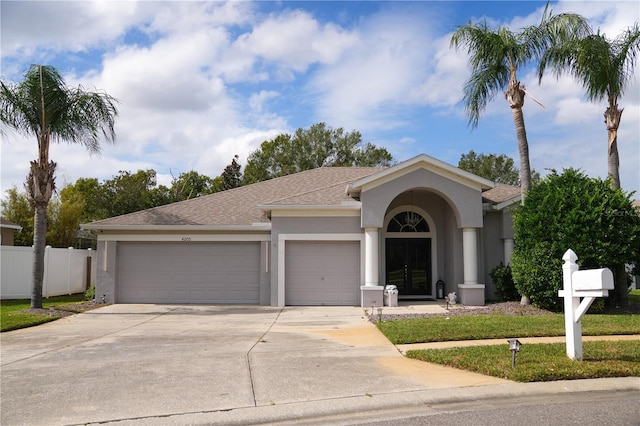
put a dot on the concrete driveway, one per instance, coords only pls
(162, 364)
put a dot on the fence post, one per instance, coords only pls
(87, 279)
(46, 271)
(69, 258)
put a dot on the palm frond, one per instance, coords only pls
(492, 56)
(42, 104)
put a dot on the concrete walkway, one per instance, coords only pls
(163, 364)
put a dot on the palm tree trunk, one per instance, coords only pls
(39, 247)
(515, 96)
(621, 286)
(40, 186)
(612, 120)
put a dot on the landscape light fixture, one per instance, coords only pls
(514, 347)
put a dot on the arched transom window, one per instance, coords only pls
(408, 222)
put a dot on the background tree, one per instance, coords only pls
(496, 168)
(605, 69)
(91, 192)
(42, 105)
(495, 57)
(131, 192)
(65, 215)
(306, 149)
(16, 208)
(191, 185)
(232, 175)
(571, 210)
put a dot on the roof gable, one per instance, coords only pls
(421, 161)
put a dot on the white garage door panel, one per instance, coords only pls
(322, 273)
(188, 273)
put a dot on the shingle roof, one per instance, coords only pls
(245, 206)
(500, 194)
(239, 206)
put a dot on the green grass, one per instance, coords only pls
(12, 319)
(541, 362)
(473, 327)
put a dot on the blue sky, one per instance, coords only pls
(199, 82)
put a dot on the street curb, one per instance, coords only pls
(298, 411)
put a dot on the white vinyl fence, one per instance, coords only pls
(66, 271)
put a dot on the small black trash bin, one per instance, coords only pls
(440, 289)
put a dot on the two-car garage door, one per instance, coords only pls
(316, 273)
(322, 273)
(216, 272)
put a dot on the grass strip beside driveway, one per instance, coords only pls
(541, 362)
(15, 314)
(475, 327)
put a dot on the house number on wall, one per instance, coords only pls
(186, 239)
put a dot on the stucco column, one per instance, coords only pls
(508, 250)
(371, 256)
(470, 255)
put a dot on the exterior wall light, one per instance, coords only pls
(514, 347)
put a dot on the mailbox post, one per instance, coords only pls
(587, 285)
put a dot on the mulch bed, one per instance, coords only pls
(65, 310)
(503, 308)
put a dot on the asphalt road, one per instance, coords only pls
(618, 408)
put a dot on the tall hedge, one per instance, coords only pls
(571, 210)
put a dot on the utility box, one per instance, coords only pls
(391, 296)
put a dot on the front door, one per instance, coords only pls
(409, 265)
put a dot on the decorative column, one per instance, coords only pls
(371, 256)
(471, 293)
(371, 293)
(470, 255)
(508, 250)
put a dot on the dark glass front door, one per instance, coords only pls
(409, 265)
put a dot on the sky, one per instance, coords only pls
(200, 82)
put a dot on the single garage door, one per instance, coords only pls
(322, 273)
(221, 272)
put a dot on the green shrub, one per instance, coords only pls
(539, 274)
(572, 211)
(90, 294)
(503, 280)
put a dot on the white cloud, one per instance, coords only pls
(76, 25)
(200, 82)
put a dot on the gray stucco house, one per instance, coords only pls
(329, 236)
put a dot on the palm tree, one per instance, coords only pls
(495, 57)
(43, 106)
(605, 68)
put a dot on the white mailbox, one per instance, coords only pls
(580, 288)
(596, 281)
(593, 279)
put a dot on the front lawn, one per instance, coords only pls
(11, 317)
(541, 362)
(535, 362)
(474, 327)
